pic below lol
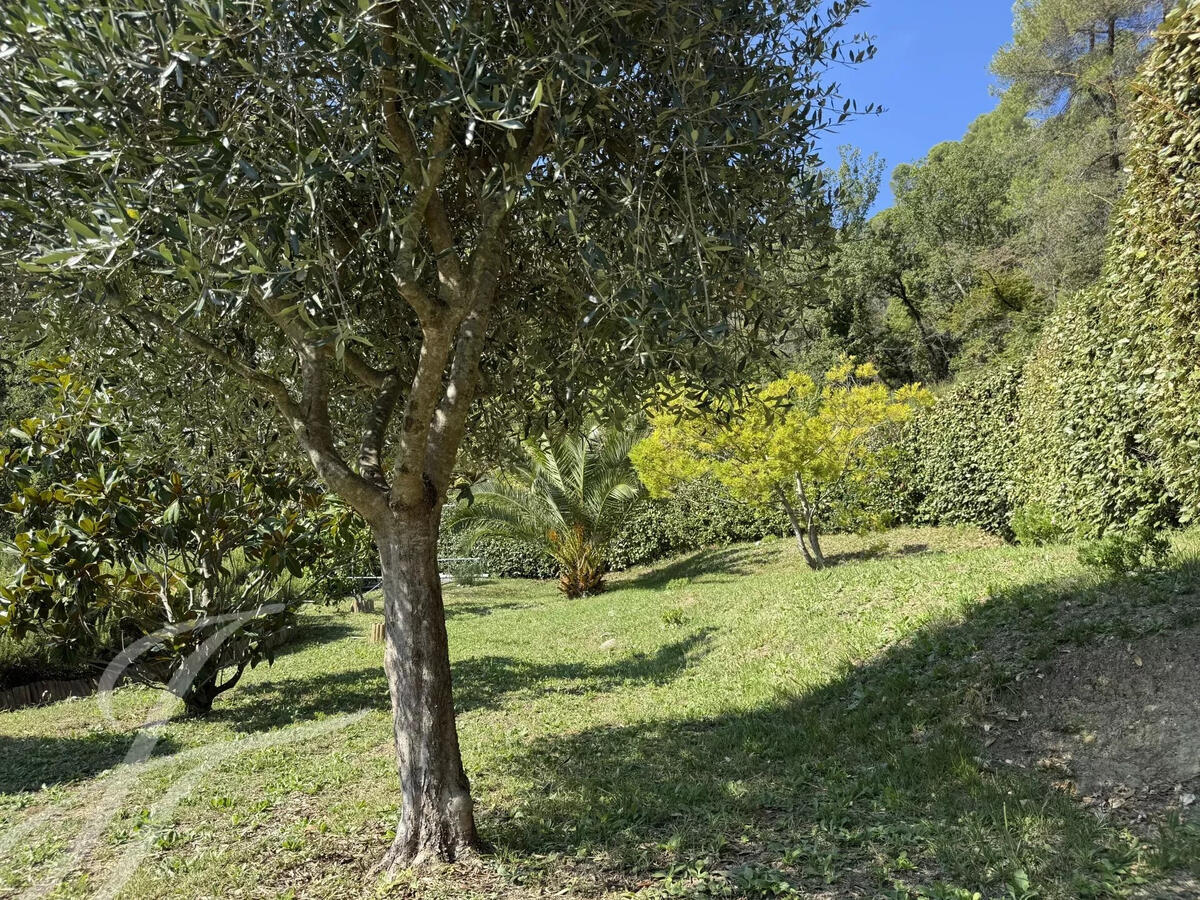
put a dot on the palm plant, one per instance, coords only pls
(569, 496)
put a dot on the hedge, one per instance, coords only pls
(1152, 280)
(700, 514)
(1084, 447)
(958, 455)
(1110, 406)
(502, 558)
(1101, 428)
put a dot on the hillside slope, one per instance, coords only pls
(727, 724)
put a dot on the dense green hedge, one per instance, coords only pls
(699, 514)
(1152, 277)
(1110, 405)
(957, 457)
(1084, 447)
(1101, 428)
(503, 558)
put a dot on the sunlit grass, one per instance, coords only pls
(725, 722)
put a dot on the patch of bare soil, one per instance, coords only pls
(1118, 723)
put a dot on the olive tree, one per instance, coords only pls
(410, 224)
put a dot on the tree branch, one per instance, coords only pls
(408, 484)
(423, 171)
(309, 421)
(315, 434)
(370, 453)
(300, 336)
(450, 421)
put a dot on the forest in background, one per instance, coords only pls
(988, 234)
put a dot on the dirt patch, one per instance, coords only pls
(1118, 723)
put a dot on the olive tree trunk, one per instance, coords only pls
(437, 821)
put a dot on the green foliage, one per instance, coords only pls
(380, 163)
(698, 514)
(507, 558)
(790, 443)
(1121, 551)
(961, 451)
(1110, 405)
(987, 233)
(107, 543)
(1153, 273)
(569, 498)
(1034, 526)
(1083, 447)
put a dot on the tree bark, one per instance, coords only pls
(814, 542)
(816, 559)
(797, 529)
(939, 362)
(200, 695)
(437, 822)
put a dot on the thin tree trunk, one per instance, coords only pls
(939, 363)
(810, 521)
(437, 822)
(797, 529)
(815, 542)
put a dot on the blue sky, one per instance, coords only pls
(930, 73)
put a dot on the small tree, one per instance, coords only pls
(193, 576)
(569, 497)
(790, 443)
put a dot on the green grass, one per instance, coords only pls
(728, 724)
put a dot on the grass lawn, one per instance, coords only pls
(726, 724)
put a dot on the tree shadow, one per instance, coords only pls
(310, 632)
(473, 608)
(28, 763)
(480, 682)
(885, 762)
(483, 682)
(880, 550)
(713, 565)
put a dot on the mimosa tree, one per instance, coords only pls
(791, 442)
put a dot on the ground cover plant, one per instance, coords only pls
(724, 724)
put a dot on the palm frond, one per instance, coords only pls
(571, 484)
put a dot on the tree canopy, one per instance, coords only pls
(791, 443)
(373, 214)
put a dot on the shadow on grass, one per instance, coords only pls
(484, 681)
(312, 631)
(456, 608)
(713, 565)
(875, 777)
(27, 763)
(480, 682)
(876, 551)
